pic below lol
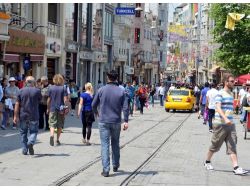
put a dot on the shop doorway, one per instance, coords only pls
(51, 67)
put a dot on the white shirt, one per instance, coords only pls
(172, 88)
(211, 94)
(161, 90)
(242, 94)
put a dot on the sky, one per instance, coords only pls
(153, 7)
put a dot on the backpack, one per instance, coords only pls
(142, 93)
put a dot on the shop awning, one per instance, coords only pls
(34, 57)
(14, 58)
(214, 68)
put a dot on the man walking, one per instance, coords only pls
(111, 101)
(224, 127)
(211, 95)
(57, 107)
(161, 93)
(43, 104)
(26, 109)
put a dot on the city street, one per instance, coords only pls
(159, 148)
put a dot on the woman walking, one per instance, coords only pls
(86, 113)
(74, 90)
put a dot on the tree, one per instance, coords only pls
(234, 52)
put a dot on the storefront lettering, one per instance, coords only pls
(25, 42)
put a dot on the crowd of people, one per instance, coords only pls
(36, 104)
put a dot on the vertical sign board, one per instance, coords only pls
(124, 11)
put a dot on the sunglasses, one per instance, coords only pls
(232, 81)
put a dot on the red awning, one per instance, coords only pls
(34, 57)
(14, 58)
(243, 79)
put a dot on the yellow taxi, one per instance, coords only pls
(180, 99)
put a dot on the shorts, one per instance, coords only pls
(224, 133)
(56, 120)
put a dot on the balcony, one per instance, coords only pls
(53, 30)
(22, 23)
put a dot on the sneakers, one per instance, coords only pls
(240, 171)
(3, 127)
(14, 128)
(84, 141)
(211, 130)
(88, 143)
(115, 169)
(31, 150)
(51, 141)
(24, 151)
(105, 174)
(58, 143)
(208, 166)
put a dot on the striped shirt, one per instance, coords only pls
(226, 100)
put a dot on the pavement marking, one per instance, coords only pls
(9, 134)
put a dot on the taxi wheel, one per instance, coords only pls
(167, 110)
(174, 110)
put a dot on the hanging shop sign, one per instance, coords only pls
(54, 46)
(71, 46)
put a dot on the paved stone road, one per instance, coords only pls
(179, 162)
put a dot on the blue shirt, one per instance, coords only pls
(204, 95)
(112, 101)
(131, 91)
(87, 101)
(226, 99)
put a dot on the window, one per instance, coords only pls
(137, 36)
(84, 23)
(69, 21)
(97, 26)
(108, 25)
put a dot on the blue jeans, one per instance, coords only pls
(32, 127)
(152, 98)
(110, 131)
(211, 113)
(161, 99)
(243, 116)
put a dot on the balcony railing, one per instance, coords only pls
(23, 23)
(53, 30)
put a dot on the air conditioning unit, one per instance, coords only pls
(129, 70)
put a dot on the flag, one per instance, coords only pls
(231, 19)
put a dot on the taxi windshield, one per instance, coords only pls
(179, 93)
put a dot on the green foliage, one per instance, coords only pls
(234, 53)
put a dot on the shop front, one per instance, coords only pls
(24, 53)
(71, 48)
(84, 68)
(54, 53)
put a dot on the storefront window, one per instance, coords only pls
(97, 26)
(69, 21)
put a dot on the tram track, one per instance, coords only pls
(70, 175)
(128, 179)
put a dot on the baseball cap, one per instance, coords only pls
(12, 79)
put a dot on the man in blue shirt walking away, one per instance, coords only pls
(203, 100)
(111, 101)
